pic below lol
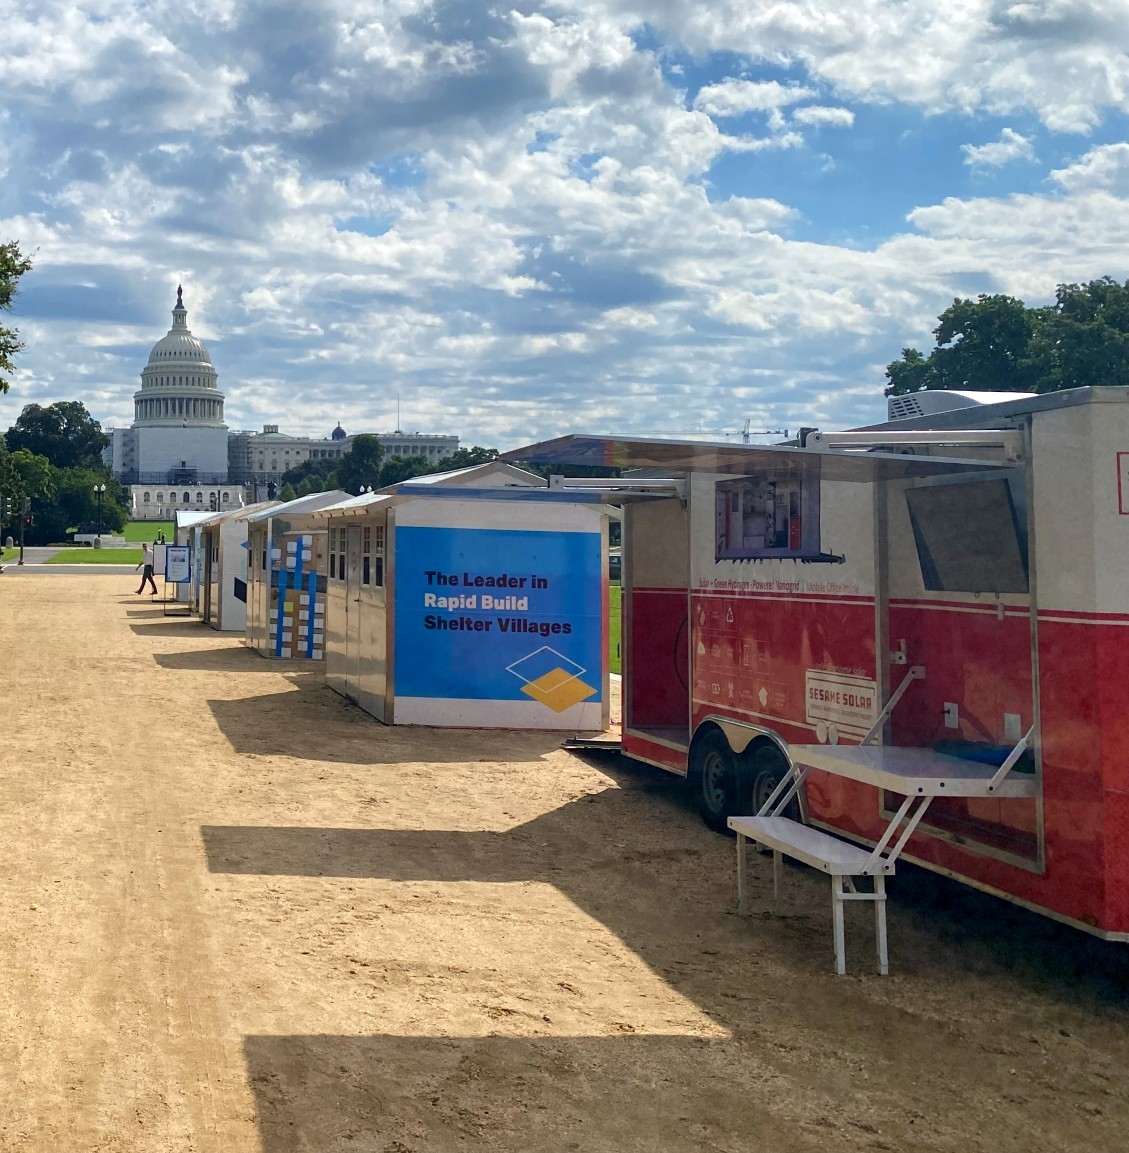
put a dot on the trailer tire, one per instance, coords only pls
(717, 779)
(767, 767)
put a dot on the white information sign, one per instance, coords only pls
(178, 563)
(837, 699)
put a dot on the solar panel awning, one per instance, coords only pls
(772, 462)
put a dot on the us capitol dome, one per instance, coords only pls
(179, 383)
(178, 435)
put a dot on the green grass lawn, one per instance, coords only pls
(96, 556)
(147, 530)
(615, 625)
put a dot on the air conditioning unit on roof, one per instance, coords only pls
(944, 400)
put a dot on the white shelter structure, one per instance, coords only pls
(482, 607)
(224, 551)
(187, 531)
(286, 577)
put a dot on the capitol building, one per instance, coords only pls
(178, 453)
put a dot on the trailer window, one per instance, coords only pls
(762, 519)
(366, 554)
(378, 555)
(971, 536)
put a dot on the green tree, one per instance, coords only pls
(982, 345)
(401, 468)
(35, 475)
(13, 264)
(319, 475)
(64, 432)
(913, 373)
(1084, 339)
(360, 466)
(9, 483)
(73, 505)
(287, 492)
(998, 344)
(467, 457)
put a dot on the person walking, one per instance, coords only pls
(147, 575)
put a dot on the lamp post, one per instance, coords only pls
(99, 492)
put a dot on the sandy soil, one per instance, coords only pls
(239, 915)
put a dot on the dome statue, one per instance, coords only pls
(338, 433)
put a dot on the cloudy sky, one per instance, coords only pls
(526, 219)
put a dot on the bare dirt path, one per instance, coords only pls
(238, 915)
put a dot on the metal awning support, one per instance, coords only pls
(1010, 441)
(625, 487)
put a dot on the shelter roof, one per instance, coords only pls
(302, 506)
(371, 501)
(187, 517)
(494, 469)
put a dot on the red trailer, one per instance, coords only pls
(917, 631)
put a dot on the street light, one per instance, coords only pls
(99, 492)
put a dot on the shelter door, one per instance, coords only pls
(353, 607)
(208, 575)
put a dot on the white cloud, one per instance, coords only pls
(1105, 168)
(736, 97)
(1065, 60)
(514, 221)
(1010, 147)
(818, 115)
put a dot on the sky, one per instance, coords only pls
(512, 221)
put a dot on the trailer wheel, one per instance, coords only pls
(767, 767)
(717, 778)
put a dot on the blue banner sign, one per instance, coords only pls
(499, 615)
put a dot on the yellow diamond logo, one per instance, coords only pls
(558, 690)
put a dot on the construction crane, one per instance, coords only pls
(746, 432)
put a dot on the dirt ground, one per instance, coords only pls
(239, 915)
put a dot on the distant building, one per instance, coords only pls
(178, 434)
(160, 502)
(260, 458)
(178, 452)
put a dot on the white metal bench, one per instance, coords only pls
(841, 859)
(917, 774)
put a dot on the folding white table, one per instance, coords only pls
(918, 775)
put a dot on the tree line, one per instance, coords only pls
(999, 344)
(367, 465)
(52, 456)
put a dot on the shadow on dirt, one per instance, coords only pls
(231, 659)
(518, 1095)
(634, 857)
(312, 722)
(667, 892)
(170, 626)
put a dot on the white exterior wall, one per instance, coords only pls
(162, 502)
(231, 612)
(162, 449)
